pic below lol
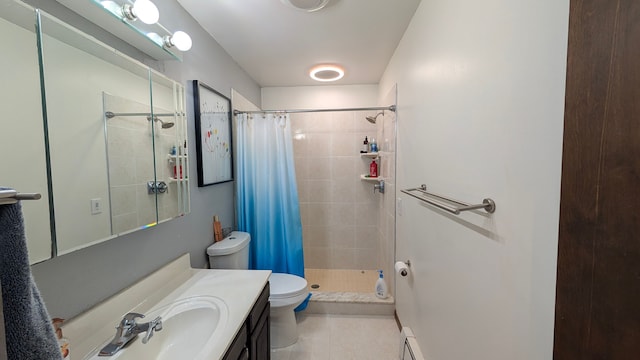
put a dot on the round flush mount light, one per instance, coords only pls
(306, 5)
(326, 73)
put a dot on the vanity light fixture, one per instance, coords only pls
(156, 38)
(326, 73)
(180, 39)
(144, 10)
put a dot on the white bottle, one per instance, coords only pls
(381, 287)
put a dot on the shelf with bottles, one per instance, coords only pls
(175, 180)
(174, 157)
(174, 154)
(367, 177)
(369, 147)
(370, 155)
(374, 166)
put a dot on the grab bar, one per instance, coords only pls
(8, 197)
(487, 204)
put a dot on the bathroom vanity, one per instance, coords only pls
(253, 339)
(206, 314)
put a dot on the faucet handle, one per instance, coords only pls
(154, 325)
(130, 319)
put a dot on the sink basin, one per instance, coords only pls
(189, 329)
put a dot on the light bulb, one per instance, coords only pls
(181, 40)
(146, 11)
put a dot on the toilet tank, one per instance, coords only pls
(231, 252)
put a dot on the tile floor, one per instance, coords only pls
(343, 337)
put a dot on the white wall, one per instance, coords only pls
(239, 102)
(480, 114)
(319, 97)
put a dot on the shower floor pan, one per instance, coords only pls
(345, 292)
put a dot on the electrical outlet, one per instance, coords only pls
(96, 206)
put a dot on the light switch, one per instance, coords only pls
(96, 206)
(399, 206)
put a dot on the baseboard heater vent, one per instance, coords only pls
(409, 349)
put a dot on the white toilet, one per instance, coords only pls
(286, 291)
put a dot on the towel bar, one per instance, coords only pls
(8, 197)
(487, 204)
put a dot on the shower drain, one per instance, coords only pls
(315, 286)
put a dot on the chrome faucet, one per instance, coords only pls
(128, 330)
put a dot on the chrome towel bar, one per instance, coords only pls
(437, 200)
(11, 197)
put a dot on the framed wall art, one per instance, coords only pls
(213, 135)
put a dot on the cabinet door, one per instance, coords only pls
(245, 354)
(260, 339)
(238, 348)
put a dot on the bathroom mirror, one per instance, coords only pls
(170, 146)
(101, 166)
(130, 135)
(143, 191)
(62, 131)
(22, 142)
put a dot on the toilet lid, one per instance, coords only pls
(286, 285)
(233, 243)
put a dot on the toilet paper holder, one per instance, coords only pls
(403, 271)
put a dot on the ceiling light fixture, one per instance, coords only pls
(180, 39)
(306, 5)
(326, 73)
(144, 10)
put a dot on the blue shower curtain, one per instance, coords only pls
(267, 194)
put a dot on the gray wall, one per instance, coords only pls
(75, 282)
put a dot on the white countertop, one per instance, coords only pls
(239, 289)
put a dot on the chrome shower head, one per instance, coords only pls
(372, 119)
(165, 125)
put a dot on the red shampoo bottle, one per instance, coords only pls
(373, 169)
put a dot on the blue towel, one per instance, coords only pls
(28, 329)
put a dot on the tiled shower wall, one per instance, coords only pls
(340, 212)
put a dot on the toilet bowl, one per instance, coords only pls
(286, 291)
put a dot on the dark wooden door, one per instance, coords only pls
(598, 282)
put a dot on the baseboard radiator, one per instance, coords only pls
(409, 349)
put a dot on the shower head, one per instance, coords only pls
(165, 125)
(372, 119)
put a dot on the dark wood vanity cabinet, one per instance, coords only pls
(258, 335)
(238, 349)
(253, 339)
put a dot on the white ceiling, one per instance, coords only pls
(277, 45)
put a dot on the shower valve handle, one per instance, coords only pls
(379, 186)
